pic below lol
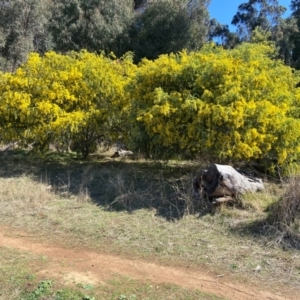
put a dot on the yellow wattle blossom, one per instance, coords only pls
(59, 97)
(236, 103)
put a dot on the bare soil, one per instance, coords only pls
(84, 266)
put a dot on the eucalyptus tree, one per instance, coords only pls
(287, 35)
(2, 44)
(23, 26)
(221, 35)
(89, 24)
(259, 19)
(265, 14)
(138, 3)
(168, 26)
(295, 35)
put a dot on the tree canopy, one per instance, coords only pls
(146, 28)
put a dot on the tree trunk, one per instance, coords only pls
(224, 183)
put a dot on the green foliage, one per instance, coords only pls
(92, 25)
(265, 14)
(294, 34)
(46, 289)
(22, 29)
(168, 26)
(221, 35)
(42, 290)
(147, 28)
(262, 21)
(227, 103)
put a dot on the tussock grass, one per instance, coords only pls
(23, 195)
(287, 210)
(284, 215)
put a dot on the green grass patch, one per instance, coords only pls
(15, 274)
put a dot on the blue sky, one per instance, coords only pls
(224, 10)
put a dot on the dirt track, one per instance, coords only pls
(95, 268)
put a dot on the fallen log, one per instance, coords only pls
(122, 153)
(223, 183)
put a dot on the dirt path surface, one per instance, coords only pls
(69, 265)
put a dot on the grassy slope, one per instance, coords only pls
(143, 210)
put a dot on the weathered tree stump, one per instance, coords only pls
(122, 153)
(223, 183)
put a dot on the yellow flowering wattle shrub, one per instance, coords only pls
(239, 104)
(58, 98)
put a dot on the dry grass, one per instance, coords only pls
(284, 215)
(146, 210)
(23, 195)
(287, 210)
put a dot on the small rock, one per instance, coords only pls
(257, 269)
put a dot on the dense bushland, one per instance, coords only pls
(240, 104)
(145, 27)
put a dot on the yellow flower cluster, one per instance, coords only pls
(239, 104)
(58, 96)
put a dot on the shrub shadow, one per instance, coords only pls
(269, 235)
(114, 184)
